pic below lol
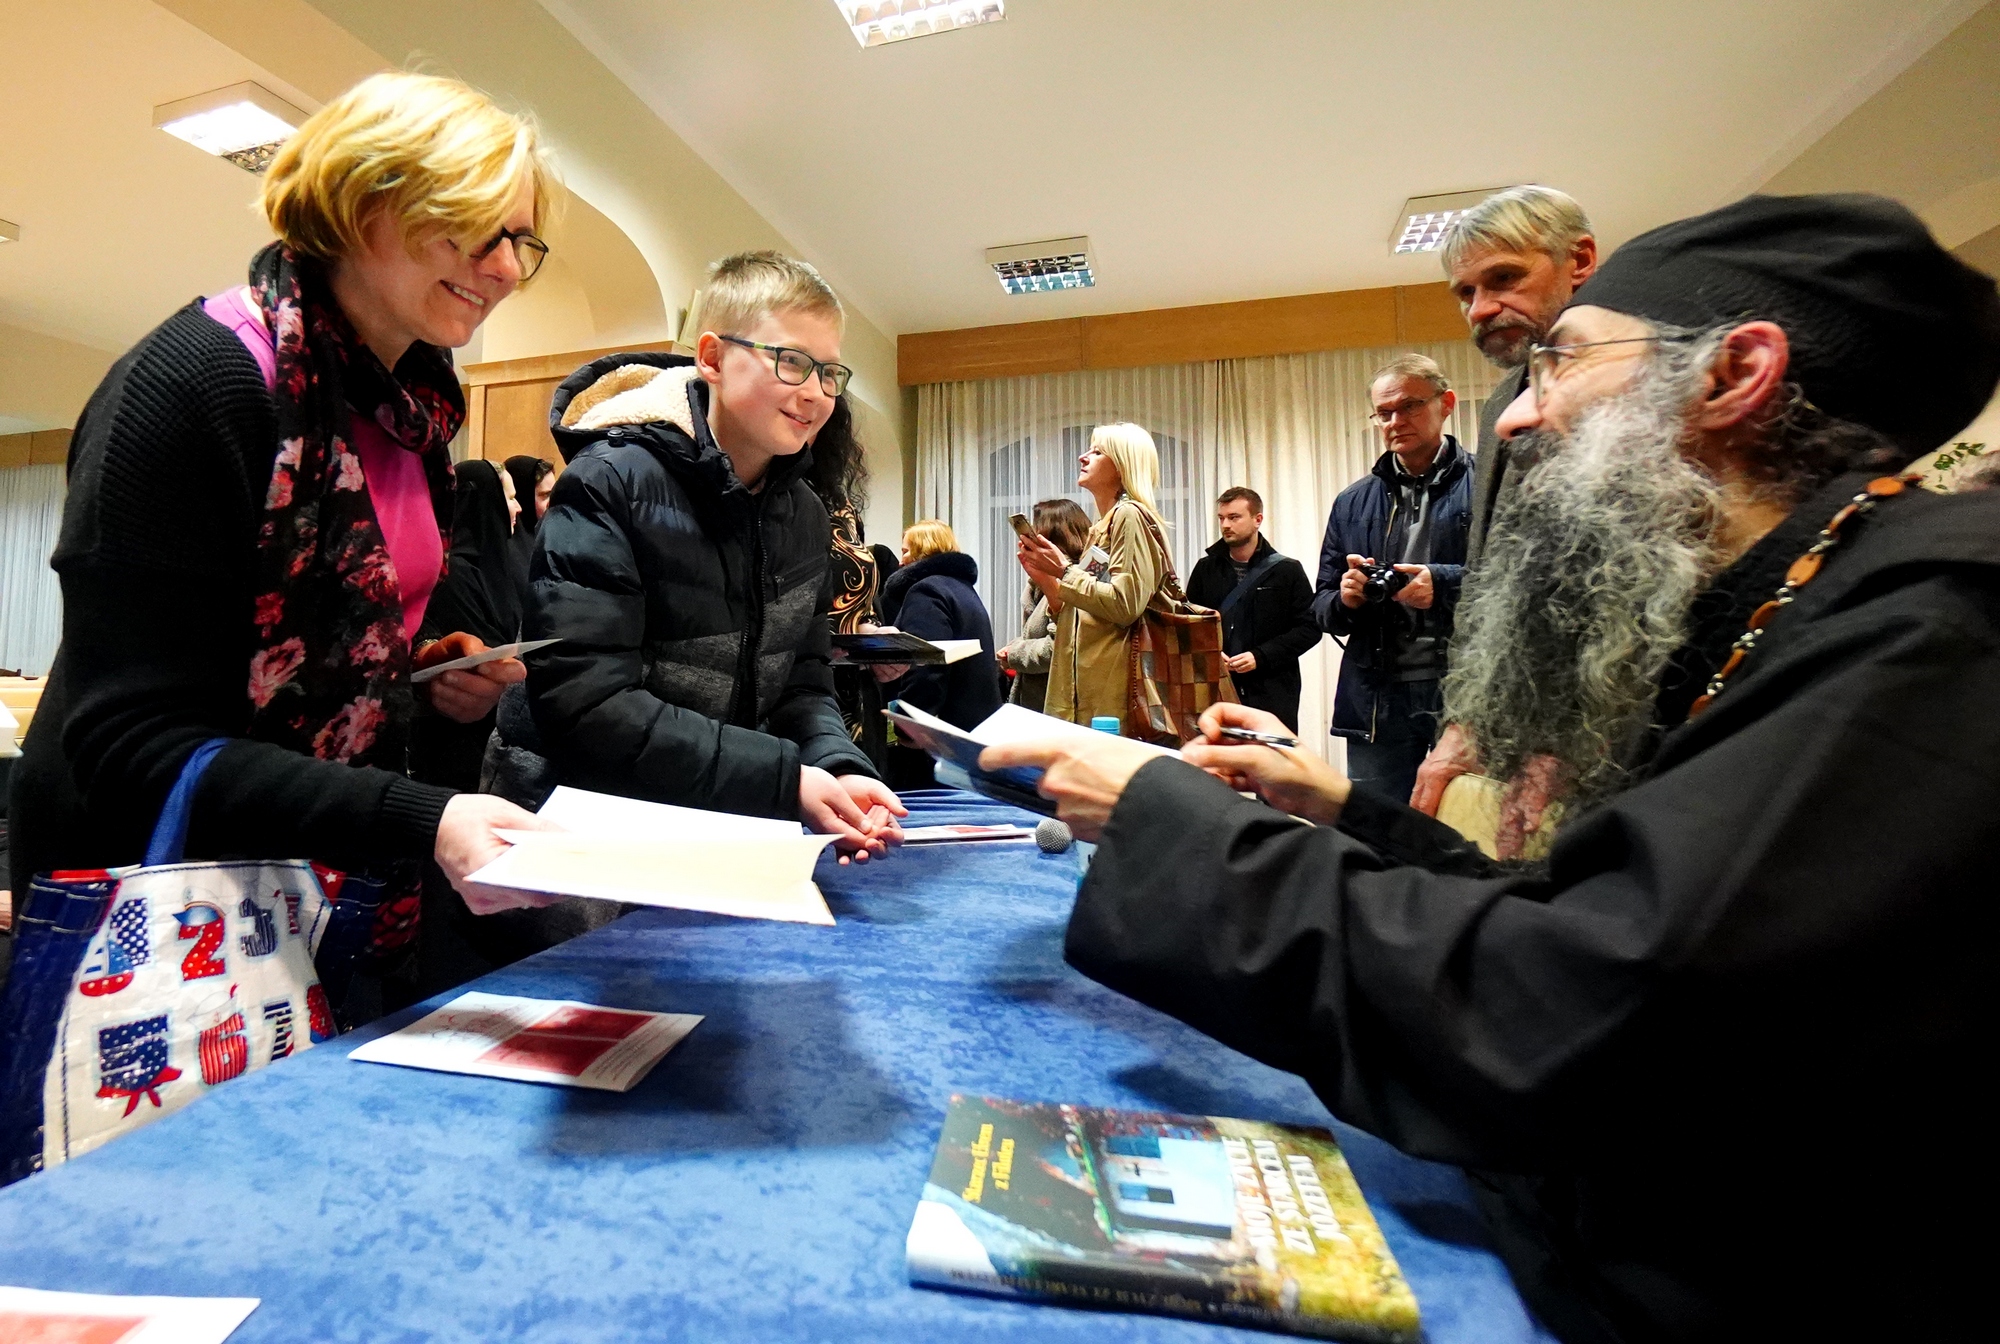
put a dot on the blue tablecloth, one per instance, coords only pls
(757, 1186)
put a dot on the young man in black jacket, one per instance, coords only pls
(1266, 606)
(683, 562)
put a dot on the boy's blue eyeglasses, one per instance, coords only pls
(793, 367)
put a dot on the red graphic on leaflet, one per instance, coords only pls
(567, 1041)
(63, 1327)
(203, 923)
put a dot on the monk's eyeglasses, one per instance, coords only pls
(1545, 361)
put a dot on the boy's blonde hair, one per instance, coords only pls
(438, 156)
(932, 536)
(746, 288)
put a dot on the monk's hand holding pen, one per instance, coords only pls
(1288, 778)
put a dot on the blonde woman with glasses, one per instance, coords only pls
(258, 513)
(1095, 601)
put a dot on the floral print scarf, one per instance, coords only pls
(330, 676)
(331, 673)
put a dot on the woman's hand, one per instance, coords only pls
(1043, 562)
(1287, 778)
(468, 840)
(1085, 778)
(469, 694)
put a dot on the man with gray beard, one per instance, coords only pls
(1716, 1064)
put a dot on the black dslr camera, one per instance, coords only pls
(1383, 582)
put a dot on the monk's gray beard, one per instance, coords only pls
(1594, 558)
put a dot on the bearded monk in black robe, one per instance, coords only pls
(1715, 1064)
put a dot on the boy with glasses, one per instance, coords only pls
(683, 562)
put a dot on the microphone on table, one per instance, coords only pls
(1053, 836)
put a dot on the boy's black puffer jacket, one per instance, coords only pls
(694, 667)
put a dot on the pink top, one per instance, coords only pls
(395, 475)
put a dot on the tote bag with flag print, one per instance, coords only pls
(136, 990)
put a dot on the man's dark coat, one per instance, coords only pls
(1361, 523)
(1729, 1045)
(1274, 620)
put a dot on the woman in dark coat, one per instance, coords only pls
(481, 593)
(932, 595)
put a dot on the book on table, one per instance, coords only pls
(899, 646)
(957, 751)
(1237, 1222)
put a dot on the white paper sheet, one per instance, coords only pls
(948, 835)
(534, 1040)
(34, 1316)
(423, 675)
(682, 858)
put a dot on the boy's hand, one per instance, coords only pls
(827, 807)
(880, 807)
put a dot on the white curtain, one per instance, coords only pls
(31, 501)
(1294, 428)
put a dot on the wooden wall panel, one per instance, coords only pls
(517, 421)
(1428, 313)
(536, 368)
(1292, 325)
(990, 352)
(37, 448)
(1348, 319)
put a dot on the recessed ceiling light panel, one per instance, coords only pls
(1033, 268)
(875, 22)
(1421, 225)
(244, 123)
(9, 233)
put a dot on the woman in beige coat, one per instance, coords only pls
(1096, 601)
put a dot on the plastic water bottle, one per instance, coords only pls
(1102, 723)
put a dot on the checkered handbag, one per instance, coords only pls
(1178, 668)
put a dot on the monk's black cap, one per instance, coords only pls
(1886, 328)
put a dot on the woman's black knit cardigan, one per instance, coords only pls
(167, 474)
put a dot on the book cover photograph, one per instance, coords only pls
(1234, 1221)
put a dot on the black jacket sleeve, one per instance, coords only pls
(156, 559)
(601, 726)
(1722, 938)
(806, 711)
(1294, 640)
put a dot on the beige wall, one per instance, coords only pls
(44, 381)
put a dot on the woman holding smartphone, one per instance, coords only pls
(1102, 595)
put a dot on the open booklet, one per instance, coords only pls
(957, 751)
(899, 646)
(534, 1041)
(684, 858)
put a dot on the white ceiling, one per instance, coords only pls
(121, 223)
(1230, 150)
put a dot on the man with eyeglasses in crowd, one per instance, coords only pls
(1389, 575)
(683, 563)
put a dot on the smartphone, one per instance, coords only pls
(1022, 527)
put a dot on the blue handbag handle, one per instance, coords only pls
(170, 832)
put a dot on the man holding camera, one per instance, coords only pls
(1389, 575)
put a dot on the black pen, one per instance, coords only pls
(1264, 739)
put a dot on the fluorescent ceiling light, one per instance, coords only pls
(1423, 221)
(875, 22)
(9, 233)
(1032, 268)
(244, 123)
